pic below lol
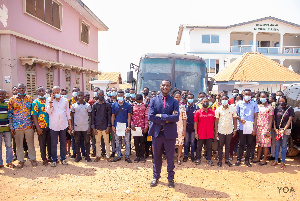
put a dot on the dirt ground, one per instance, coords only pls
(123, 181)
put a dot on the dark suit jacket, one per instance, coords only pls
(156, 106)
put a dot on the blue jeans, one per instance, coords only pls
(62, 140)
(118, 140)
(189, 138)
(9, 154)
(282, 142)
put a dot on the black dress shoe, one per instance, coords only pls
(248, 164)
(220, 164)
(128, 160)
(171, 184)
(279, 160)
(154, 183)
(238, 163)
(185, 159)
(116, 159)
(271, 158)
(228, 163)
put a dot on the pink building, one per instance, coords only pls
(48, 43)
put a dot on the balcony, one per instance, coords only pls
(241, 48)
(291, 49)
(268, 50)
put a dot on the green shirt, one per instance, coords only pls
(4, 127)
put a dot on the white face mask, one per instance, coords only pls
(47, 95)
(139, 103)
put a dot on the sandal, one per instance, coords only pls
(274, 163)
(282, 166)
(261, 164)
(10, 165)
(179, 162)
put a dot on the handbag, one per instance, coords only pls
(287, 131)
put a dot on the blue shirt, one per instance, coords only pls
(123, 115)
(190, 112)
(246, 111)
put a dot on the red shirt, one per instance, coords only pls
(139, 116)
(205, 122)
(91, 102)
(231, 101)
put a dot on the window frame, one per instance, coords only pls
(89, 28)
(210, 38)
(60, 15)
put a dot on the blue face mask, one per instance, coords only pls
(263, 100)
(57, 95)
(254, 99)
(95, 94)
(247, 98)
(22, 94)
(190, 101)
(74, 94)
(41, 96)
(120, 99)
(64, 96)
(132, 95)
(114, 93)
(127, 95)
(210, 104)
(200, 99)
(224, 102)
(109, 94)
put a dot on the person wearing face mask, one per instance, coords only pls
(264, 126)
(127, 95)
(114, 94)
(189, 139)
(139, 118)
(279, 94)
(201, 95)
(145, 93)
(283, 114)
(59, 119)
(225, 116)
(20, 123)
(101, 124)
(48, 93)
(74, 96)
(204, 130)
(153, 93)
(235, 93)
(132, 96)
(63, 93)
(121, 113)
(112, 99)
(247, 112)
(41, 121)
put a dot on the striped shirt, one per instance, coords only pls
(4, 124)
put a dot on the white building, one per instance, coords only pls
(220, 45)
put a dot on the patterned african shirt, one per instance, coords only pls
(38, 109)
(19, 113)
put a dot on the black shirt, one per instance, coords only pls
(101, 116)
(279, 112)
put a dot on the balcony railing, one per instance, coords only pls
(268, 50)
(241, 48)
(291, 49)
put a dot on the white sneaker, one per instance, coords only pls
(64, 162)
(53, 164)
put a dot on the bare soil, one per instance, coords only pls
(123, 181)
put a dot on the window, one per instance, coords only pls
(49, 77)
(238, 42)
(84, 32)
(77, 79)
(212, 65)
(68, 80)
(48, 11)
(210, 39)
(87, 82)
(251, 43)
(30, 74)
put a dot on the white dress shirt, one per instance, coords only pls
(59, 114)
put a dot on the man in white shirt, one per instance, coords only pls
(59, 119)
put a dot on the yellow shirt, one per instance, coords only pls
(225, 116)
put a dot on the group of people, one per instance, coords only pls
(240, 123)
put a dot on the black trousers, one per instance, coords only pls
(208, 143)
(250, 139)
(87, 143)
(139, 143)
(45, 142)
(224, 139)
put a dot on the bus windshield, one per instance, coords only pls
(183, 74)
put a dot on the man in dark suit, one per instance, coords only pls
(163, 115)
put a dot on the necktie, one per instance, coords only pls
(165, 101)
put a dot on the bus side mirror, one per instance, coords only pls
(210, 85)
(130, 77)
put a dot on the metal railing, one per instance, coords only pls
(268, 50)
(241, 48)
(291, 49)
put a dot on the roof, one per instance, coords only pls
(254, 66)
(171, 55)
(111, 76)
(181, 27)
(125, 86)
(80, 7)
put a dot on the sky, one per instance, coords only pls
(137, 27)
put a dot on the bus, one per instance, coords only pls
(186, 72)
